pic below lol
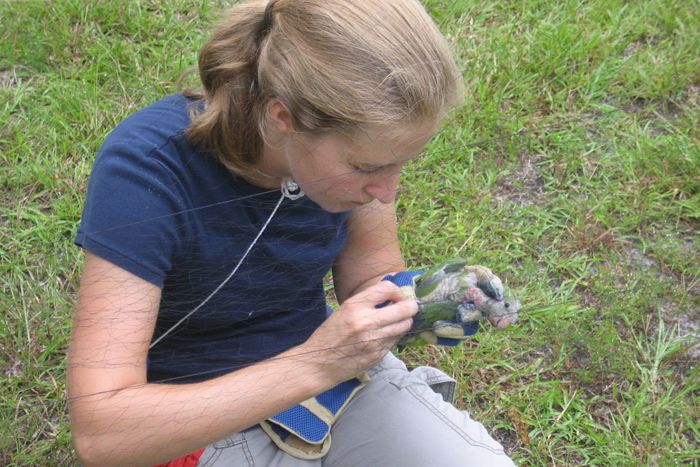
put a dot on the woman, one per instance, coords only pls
(210, 222)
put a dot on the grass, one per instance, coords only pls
(572, 171)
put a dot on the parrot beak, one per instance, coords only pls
(503, 321)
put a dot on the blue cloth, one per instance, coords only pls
(179, 219)
(304, 423)
(300, 420)
(404, 278)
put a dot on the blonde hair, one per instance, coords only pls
(337, 65)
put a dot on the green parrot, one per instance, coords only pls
(453, 293)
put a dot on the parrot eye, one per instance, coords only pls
(506, 304)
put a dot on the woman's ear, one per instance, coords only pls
(279, 118)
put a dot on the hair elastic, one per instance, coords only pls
(266, 25)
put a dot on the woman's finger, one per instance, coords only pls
(396, 312)
(378, 294)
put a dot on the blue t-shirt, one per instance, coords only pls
(174, 216)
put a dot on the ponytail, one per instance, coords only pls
(229, 124)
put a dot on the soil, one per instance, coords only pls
(525, 187)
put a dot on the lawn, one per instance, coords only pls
(573, 171)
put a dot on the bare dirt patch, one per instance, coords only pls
(692, 96)
(640, 44)
(659, 116)
(650, 107)
(524, 187)
(635, 258)
(8, 78)
(687, 322)
(684, 316)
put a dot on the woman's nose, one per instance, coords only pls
(383, 186)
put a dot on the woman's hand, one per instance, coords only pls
(359, 334)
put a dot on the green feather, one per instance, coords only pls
(427, 282)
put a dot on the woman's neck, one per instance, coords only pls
(270, 169)
(261, 179)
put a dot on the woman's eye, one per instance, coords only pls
(365, 170)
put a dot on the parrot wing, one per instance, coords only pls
(488, 282)
(430, 280)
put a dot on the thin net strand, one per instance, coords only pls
(235, 269)
(473, 144)
(285, 194)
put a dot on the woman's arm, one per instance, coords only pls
(120, 419)
(371, 252)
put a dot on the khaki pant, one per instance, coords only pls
(400, 419)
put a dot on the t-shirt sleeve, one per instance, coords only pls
(132, 214)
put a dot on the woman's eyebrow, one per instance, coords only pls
(370, 166)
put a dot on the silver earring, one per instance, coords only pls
(290, 189)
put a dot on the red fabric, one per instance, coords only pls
(190, 460)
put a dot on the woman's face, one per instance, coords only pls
(340, 174)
